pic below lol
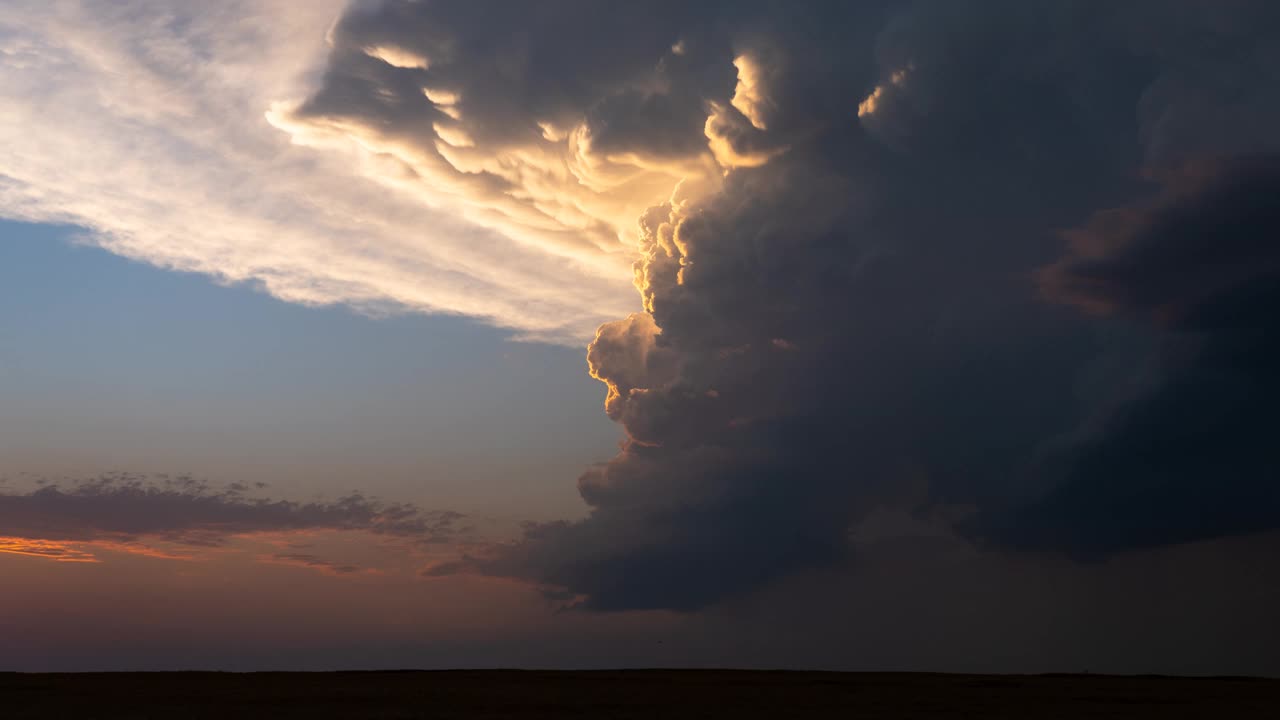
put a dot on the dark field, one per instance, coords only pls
(660, 694)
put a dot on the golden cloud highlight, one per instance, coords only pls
(749, 95)
(872, 103)
(46, 550)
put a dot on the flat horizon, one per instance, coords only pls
(637, 693)
(663, 345)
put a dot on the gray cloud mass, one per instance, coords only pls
(1008, 268)
(878, 304)
(124, 508)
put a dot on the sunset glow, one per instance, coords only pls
(850, 335)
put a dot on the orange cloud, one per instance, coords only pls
(46, 549)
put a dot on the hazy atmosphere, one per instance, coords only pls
(848, 335)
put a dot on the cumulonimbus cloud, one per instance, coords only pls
(853, 323)
(838, 218)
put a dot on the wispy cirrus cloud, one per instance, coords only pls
(144, 123)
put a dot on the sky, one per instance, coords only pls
(876, 335)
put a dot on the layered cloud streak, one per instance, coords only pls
(174, 517)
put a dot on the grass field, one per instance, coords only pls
(661, 694)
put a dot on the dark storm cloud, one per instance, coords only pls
(852, 317)
(1192, 454)
(515, 62)
(1180, 260)
(126, 509)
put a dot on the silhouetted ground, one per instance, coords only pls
(660, 694)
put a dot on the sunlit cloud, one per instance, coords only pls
(144, 123)
(46, 549)
(90, 551)
(398, 57)
(327, 159)
(875, 100)
(749, 96)
(730, 140)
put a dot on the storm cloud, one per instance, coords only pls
(1002, 268)
(903, 286)
(1189, 455)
